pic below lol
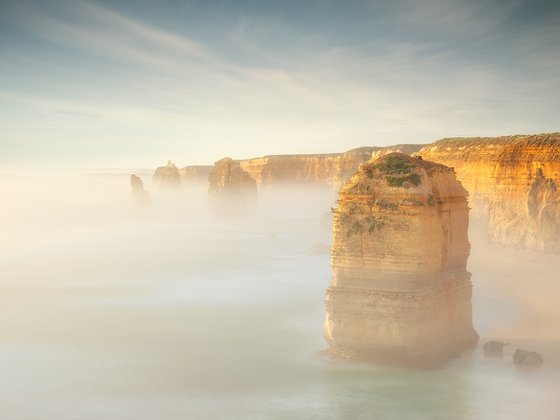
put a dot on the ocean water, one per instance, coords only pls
(109, 311)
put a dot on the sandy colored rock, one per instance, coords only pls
(324, 169)
(513, 181)
(195, 173)
(167, 177)
(231, 190)
(140, 196)
(400, 289)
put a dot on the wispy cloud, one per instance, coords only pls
(443, 68)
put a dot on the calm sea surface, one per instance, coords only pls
(113, 312)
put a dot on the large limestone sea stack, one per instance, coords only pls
(400, 289)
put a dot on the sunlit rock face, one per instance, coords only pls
(231, 190)
(323, 169)
(514, 181)
(400, 289)
(195, 173)
(140, 196)
(167, 176)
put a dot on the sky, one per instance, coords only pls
(135, 83)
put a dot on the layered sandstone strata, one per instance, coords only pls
(167, 176)
(400, 289)
(231, 190)
(513, 181)
(326, 169)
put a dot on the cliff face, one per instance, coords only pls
(305, 169)
(400, 288)
(231, 190)
(167, 176)
(327, 169)
(195, 173)
(513, 180)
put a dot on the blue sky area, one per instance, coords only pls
(106, 83)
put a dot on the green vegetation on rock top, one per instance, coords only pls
(395, 165)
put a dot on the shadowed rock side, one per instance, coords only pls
(514, 181)
(140, 196)
(400, 290)
(231, 190)
(167, 177)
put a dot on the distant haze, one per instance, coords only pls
(135, 83)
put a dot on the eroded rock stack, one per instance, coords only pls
(231, 190)
(167, 177)
(140, 196)
(400, 289)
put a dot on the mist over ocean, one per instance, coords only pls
(115, 312)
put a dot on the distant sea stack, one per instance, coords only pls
(140, 196)
(513, 180)
(167, 177)
(231, 190)
(400, 290)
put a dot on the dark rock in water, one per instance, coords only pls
(524, 357)
(494, 347)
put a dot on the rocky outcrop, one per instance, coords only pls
(140, 196)
(231, 190)
(400, 289)
(527, 358)
(195, 173)
(514, 181)
(167, 176)
(494, 348)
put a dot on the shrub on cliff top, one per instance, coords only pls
(395, 165)
(398, 181)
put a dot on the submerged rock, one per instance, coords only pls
(528, 358)
(139, 195)
(400, 289)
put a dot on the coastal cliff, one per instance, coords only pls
(231, 190)
(513, 181)
(400, 289)
(195, 173)
(326, 169)
(306, 169)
